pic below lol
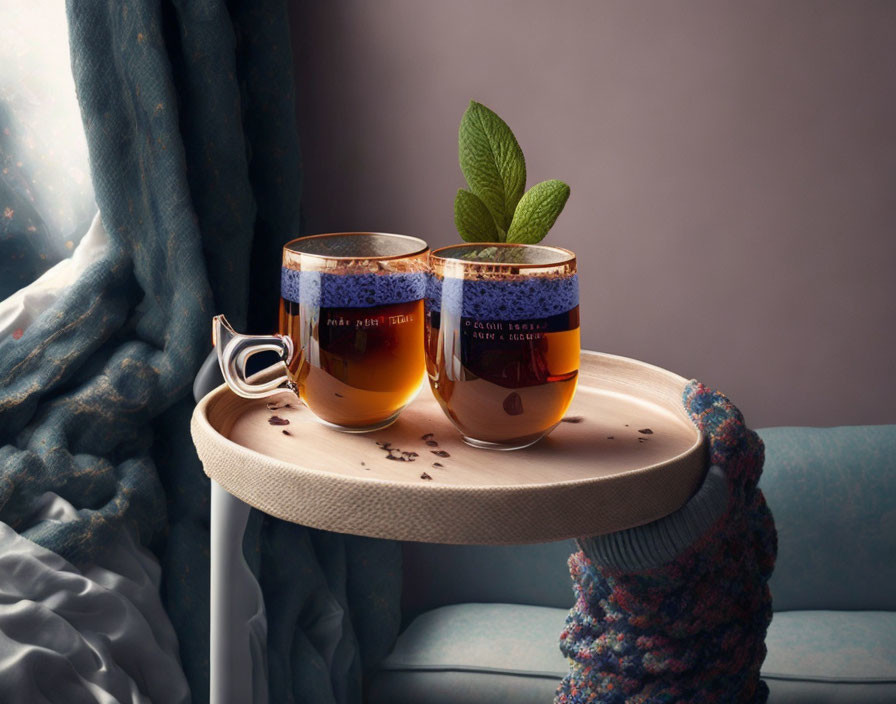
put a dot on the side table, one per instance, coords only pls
(626, 455)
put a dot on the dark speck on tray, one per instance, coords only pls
(440, 453)
(277, 420)
(425, 476)
(286, 432)
(646, 431)
(572, 419)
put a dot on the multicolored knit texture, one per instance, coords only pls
(693, 630)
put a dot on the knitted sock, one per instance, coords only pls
(677, 611)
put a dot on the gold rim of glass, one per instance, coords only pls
(566, 256)
(421, 247)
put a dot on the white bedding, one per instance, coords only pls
(73, 637)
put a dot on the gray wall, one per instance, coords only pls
(732, 164)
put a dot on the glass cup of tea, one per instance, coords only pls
(351, 329)
(502, 340)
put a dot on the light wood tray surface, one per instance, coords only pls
(600, 474)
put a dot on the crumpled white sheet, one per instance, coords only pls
(73, 637)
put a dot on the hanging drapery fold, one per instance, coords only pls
(188, 109)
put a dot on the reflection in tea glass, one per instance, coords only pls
(351, 309)
(502, 340)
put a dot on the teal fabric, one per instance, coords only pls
(453, 687)
(189, 114)
(507, 638)
(163, 89)
(508, 652)
(437, 575)
(450, 687)
(801, 692)
(473, 653)
(305, 576)
(833, 495)
(832, 646)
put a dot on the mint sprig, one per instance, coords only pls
(495, 208)
(473, 220)
(492, 162)
(537, 211)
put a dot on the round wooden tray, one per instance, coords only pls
(626, 455)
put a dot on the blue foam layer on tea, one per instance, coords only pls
(350, 290)
(522, 299)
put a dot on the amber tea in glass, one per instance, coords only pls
(502, 340)
(351, 309)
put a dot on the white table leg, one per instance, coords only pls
(238, 627)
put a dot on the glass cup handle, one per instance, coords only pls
(234, 351)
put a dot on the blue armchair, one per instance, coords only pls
(482, 623)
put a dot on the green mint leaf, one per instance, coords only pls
(481, 255)
(491, 161)
(537, 211)
(472, 219)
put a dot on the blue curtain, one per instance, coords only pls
(188, 108)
